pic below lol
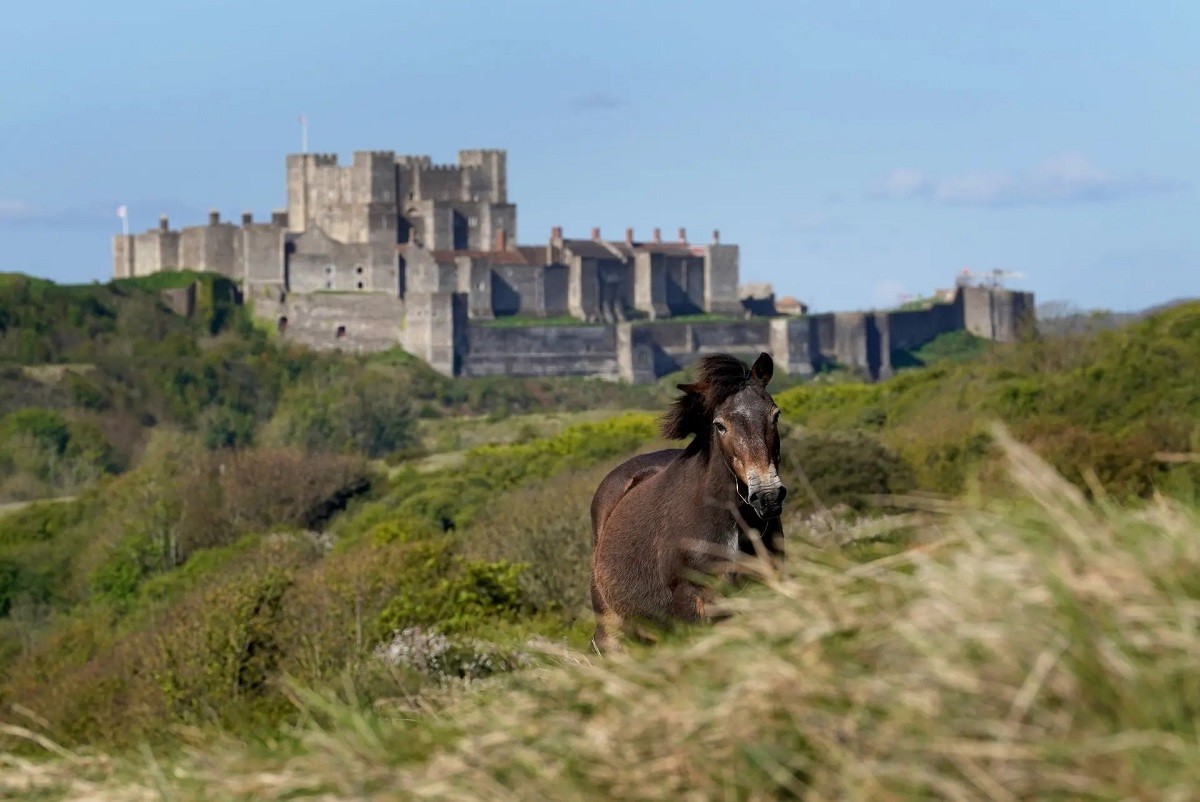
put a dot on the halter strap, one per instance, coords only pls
(737, 490)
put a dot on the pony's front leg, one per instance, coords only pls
(690, 602)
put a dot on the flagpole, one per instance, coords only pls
(304, 133)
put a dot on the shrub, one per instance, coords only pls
(371, 415)
(842, 468)
(547, 528)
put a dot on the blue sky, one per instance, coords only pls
(855, 151)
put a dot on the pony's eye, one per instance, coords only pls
(720, 427)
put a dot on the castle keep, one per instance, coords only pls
(395, 250)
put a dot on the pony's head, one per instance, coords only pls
(728, 409)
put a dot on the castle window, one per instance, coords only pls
(340, 333)
(358, 285)
(358, 269)
(282, 325)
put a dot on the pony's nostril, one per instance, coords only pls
(754, 497)
(782, 494)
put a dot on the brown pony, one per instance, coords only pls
(661, 521)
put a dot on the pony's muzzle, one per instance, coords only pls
(767, 500)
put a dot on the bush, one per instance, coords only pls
(371, 415)
(547, 528)
(841, 468)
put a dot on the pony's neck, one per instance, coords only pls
(716, 478)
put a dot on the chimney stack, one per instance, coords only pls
(658, 235)
(163, 223)
(556, 234)
(595, 232)
(629, 236)
(501, 240)
(214, 217)
(716, 236)
(247, 218)
(683, 235)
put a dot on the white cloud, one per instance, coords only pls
(597, 100)
(1068, 177)
(17, 210)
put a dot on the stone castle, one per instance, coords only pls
(395, 250)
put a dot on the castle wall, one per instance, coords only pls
(191, 247)
(155, 251)
(914, 328)
(476, 283)
(583, 288)
(438, 182)
(676, 345)
(123, 256)
(541, 351)
(994, 313)
(435, 329)
(494, 218)
(650, 285)
(518, 289)
(262, 254)
(850, 339)
(635, 356)
(721, 279)
(790, 339)
(554, 290)
(490, 178)
(368, 321)
(683, 284)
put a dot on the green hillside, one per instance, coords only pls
(290, 574)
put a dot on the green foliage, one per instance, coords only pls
(547, 528)
(450, 498)
(53, 451)
(954, 346)
(471, 594)
(842, 468)
(1104, 405)
(370, 415)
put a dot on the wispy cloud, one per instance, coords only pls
(15, 210)
(95, 214)
(820, 223)
(1061, 179)
(598, 100)
(22, 213)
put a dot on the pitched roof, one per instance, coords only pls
(589, 249)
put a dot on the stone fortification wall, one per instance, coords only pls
(349, 322)
(996, 314)
(791, 345)
(541, 351)
(673, 346)
(721, 279)
(262, 254)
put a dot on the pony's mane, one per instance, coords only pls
(717, 376)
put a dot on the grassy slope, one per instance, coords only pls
(1043, 648)
(1108, 403)
(1108, 387)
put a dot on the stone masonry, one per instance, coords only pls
(398, 251)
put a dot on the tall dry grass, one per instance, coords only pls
(1044, 647)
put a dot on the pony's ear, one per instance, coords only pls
(763, 369)
(690, 389)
